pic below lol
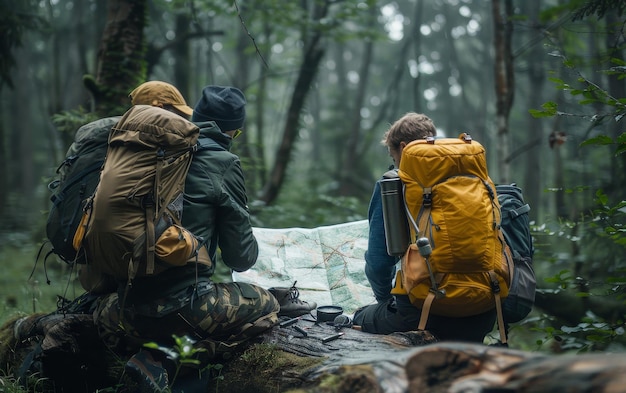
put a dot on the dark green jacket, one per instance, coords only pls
(216, 202)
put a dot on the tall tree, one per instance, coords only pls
(534, 137)
(349, 168)
(409, 50)
(314, 51)
(505, 79)
(121, 57)
(15, 20)
(181, 51)
(616, 45)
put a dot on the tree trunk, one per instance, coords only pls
(416, 36)
(570, 309)
(411, 41)
(244, 145)
(182, 70)
(349, 168)
(456, 367)
(560, 206)
(314, 52)
(504, 81)
(121, 57)
(252, 151)
(300, 357)
(617, 89)
(534, 142)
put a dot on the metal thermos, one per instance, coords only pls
(394, 215)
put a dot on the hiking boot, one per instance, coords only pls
(145, 374)
(290, 304)
(34, 325)
(26, 327)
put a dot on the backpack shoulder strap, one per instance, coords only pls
(519, 211)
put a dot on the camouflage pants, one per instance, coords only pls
(223, 315)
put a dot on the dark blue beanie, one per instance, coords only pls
(226, 106)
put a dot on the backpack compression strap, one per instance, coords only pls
(152, 213)
(496, 293)
(426, 310)
(425, 250)
(424, 213)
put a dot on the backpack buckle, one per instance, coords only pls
(439, 293)
(495, 285)
(427, 197)
(465, 137)
(147, 201)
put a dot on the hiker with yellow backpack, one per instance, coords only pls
(455, 266)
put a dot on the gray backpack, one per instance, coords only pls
(516, 228)
(77, 178)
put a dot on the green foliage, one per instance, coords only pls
(549, 109)
(588, 336)
(269, 358)
(619, 142)
(69, 121)
(309, 202)
(588, 263)
(598, 278)
(184, 353)
(309, 210)
(590, 93)
(11, 385)
(562, 279)
(581, 9)
(611, 219)
(341, 21)
(600, 8)
(31, 287)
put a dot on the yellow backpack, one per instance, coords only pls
(459, 264)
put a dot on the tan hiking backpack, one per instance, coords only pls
(132, 223)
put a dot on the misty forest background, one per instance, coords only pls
(539, 84)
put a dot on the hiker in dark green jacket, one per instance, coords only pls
(184, 301)
(215, 195)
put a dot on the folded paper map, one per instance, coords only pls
(326, 262)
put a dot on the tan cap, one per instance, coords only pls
(157, 93)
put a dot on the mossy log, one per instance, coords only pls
(414, 362)
(296, 358)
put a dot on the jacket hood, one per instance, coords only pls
(209, 129)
